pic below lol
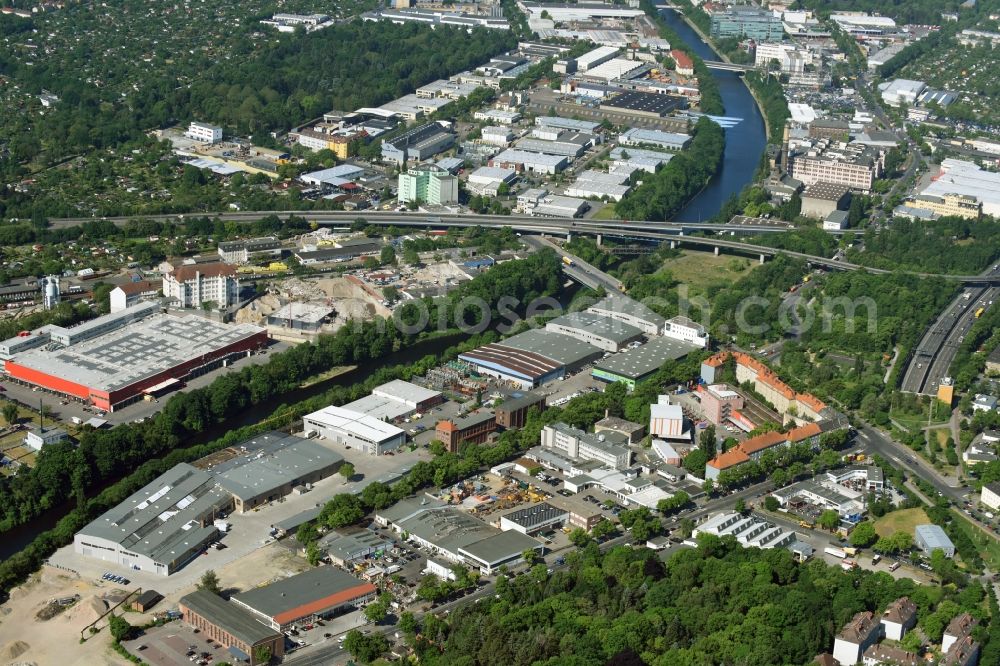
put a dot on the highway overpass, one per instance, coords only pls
(643, 231)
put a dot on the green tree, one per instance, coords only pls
(120, 628)
(365, 648)
(210, 581)
(602, 529)
(388, 255)
(771, 503)
(579, 537)
(376, 612)
(864, 534)
(347, 471)
(390, 293)
(9, 412)
(741, 506)
(829, 520)
(313, 553)
(262, 654)
(529, 555)
(408, 623)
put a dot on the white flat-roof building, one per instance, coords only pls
(497, 116)
(496, 135)
(671, 141)
(334, 176)
(204, 132)
(533, 162)
(608, 449)
(630, 311)
(595, 58)
(351, 428)
(600, 184)
(961, 177)
(682, 328)
(571, 124)
(901, 91)
(616, 68)
(557, 206)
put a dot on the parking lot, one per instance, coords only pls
(177, 644)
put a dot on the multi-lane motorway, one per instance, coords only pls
(931, 360)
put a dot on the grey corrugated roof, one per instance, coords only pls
(606, 327)
(500, 547)
(560, 348)
(295, 591)
(231, 618)
(642, 360)
(155, 527)
(289, 460)
(629, 306)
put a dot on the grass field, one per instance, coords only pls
(986, 544)
(605, 213)
(699, 270)
(904, 520)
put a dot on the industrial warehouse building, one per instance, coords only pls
(169, 521)
(116, 359)
(534, 518)
(317, 593)
(396, 399)
(532, 358)
(160, 527)
(456, 536)
(345, 549)
(600, 331)
(635, 366)
(419, 143)
(351, 428)
(929, 538)
(231, 626)
(278, 464)
(631, 312)
(305, 317)
(647, 105)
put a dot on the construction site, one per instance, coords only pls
(298, 309)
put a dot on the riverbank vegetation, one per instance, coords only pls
(664, 193)
(711, 98)
(65, 472)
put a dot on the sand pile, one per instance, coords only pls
(88, 611)
(15, 649)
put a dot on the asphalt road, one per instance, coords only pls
(937, 349)
(873, 441)
(580, 271)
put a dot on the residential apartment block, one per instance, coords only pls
(192, 286)
(429, 184)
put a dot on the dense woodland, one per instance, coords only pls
(719, 604)
(948, 245)
(273, 87)
(663, 194)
